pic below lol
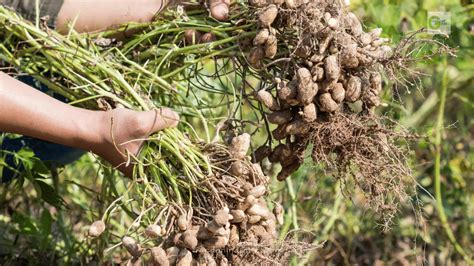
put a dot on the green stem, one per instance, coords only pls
(437, 169)
(194, 62)
(211, 45)
(291, 192)
(335, 213)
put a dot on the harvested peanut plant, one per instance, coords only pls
(309, 71)
(186, 195)
(308, 64)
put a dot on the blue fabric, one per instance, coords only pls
(55, 155)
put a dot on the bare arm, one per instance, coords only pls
(27, 111)
(94, 15)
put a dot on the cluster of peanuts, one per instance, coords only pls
(333, 63)
(250, 222)
(191, 241)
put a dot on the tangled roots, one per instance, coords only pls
(365, 149)
(277, 254)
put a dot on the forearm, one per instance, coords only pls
(110, 134)
(26, 111)
(94, 15)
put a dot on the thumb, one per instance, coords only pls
(164, 118)
(219, 9)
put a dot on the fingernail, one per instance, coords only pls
(174, 120)
(220, 11)
(192, 37)
(207, 37)
(171, 117)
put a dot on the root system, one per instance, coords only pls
(365, 150)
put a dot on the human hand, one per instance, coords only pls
(124, 131)
(97, 15)
(218, 9)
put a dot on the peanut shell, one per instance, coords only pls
(153, 231)
(207, 37)
(297, 127)
(268, 15)
(240, 146)
(306, 88)
(185, 258)
(158, 257)
(309, 113)
(96, 228)
(255, 56)
(376, 83)
(287, 171)
(353, 89)
(238, 216)
(192, 37)
(271, 46)
(353, 23)
(279, 133)
(261, 37)
(287, 91)
(267, 100)
(261, 153)
(258, 3)
(189, 240)
(327, 104)
(332, 68)
(278, 211)
(338, 93)
(132, 247)
(172, 254)
(257, 191)
(318, 73)
(280, 117)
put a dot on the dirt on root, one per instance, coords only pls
(294, 244)
(367, 151)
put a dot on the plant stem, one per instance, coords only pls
(291, 192)
(437, 168)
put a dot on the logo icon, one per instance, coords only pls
(439, 23)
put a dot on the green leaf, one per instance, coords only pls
(39, 167)
(25, 153)
(49, 195)
(46, 222)
(25, 157)
(25, 224)
(456, 171)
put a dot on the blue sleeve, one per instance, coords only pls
(27, 8)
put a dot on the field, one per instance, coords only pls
(46, 221)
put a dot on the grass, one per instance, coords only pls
(437, 169)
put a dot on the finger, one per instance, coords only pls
(219, 9)
(164, 118)
(192, 37)
(207, 37)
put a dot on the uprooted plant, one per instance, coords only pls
(315, 73)
(189, 200)
(314, 64)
